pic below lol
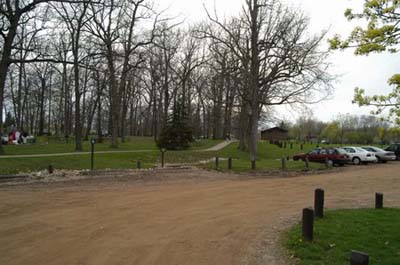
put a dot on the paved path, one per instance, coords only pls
(214, 148)
(76, 153)
(212, 219)
(219, 146)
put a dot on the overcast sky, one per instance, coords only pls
(369, 72)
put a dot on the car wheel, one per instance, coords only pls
(356, 161)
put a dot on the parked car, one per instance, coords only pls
(358, 155)
(320, 155)
(394, 148)
(380, 154)
(4, 139)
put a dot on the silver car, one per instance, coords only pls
(382, 155)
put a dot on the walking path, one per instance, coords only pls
(214, 148)
(219, 146)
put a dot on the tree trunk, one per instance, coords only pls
(4, 64)
(41, 106)
(78, 126)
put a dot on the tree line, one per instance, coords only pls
(344, 129)
(121, 68)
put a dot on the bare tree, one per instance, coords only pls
(13, 14)
(279, 64)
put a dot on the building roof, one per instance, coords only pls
(275, 129)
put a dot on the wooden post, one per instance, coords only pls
(216, 162)
(308, 224)
(253, 164)
(92, 143)
(283, 160)
(359, 258)
(230, 163)
(138, 164)
(307, 163)
(378, 200)
(319, 203)
(162, 158)
(50, 169)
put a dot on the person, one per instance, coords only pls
(24, 136)
(17, 137)
(10, 138)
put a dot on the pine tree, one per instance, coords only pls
(177, 133)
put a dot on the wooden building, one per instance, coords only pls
(274, 134)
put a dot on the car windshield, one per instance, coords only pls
(349, 149)
(358, 149)
(371, 149)
(377, 149)
(341, 151)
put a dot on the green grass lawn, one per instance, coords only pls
(43, 146)
(375, 232)
(101, 161)
(269, 158)
(267, 150)
(52, 147)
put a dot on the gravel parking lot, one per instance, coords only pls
(173, 216)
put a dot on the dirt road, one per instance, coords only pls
(229, 220)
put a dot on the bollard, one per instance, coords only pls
(216, 162)
(307, 163)
(230, 163)
(359, 258)
(253, 164)
(162, 158)
(138, 164)
(319, 203)
(308, 224)
(378, 200)
(283, 160)
(92, 143)
(50, 169)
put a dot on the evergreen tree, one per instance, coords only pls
(177, 133)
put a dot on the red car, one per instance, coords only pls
(320, 155)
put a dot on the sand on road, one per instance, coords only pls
(228, 220)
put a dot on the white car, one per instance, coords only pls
(358, 155)
(380, 154)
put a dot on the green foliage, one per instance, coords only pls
(331, 132)
(381, 34)
(372, 231)
(177, 134)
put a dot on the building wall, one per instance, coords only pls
(274, 135)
